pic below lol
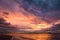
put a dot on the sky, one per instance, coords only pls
(30, 14)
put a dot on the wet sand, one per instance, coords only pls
(43, 36)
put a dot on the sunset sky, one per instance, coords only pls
(30, 14)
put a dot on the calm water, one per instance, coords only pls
(54, 36)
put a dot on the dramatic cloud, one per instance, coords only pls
(49, 10)
(32, 14)
(2, 21)
(56, 27)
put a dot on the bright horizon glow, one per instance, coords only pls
(22, 21)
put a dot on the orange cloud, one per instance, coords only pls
(20, 18)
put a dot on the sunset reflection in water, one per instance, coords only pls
(32, 36)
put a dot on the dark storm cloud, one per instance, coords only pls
(37, 7)
(44, 4)
(2, 21)
(55, 27)
(6, 27)
(48, 10)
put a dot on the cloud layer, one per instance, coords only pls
(32, 14)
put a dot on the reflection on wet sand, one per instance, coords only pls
(36, 36)
(31, 36)
(54, 36)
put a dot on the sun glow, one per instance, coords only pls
(29, 21)
(22, 21)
